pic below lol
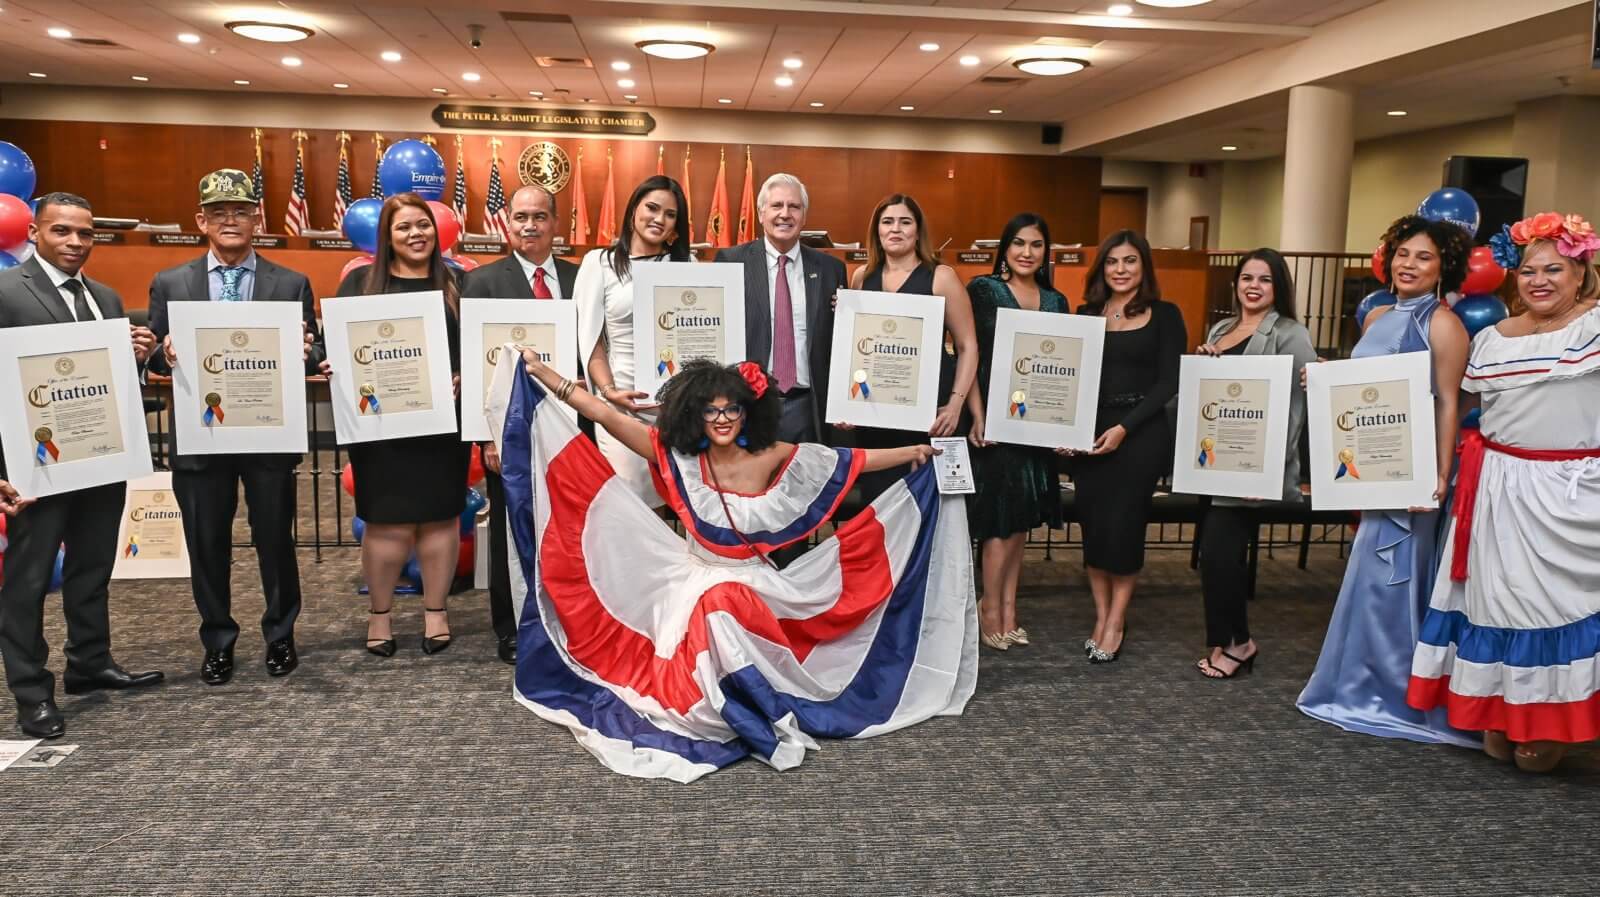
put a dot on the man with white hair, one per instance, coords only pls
(788, 306)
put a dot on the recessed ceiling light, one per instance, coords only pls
(187, 38)
(675, 49)
(970, 60)
(340, 85)
(535, 93)
(908, 108)
(471, 76)
(1397, 113)
(1229, 148)
(291, 61)
(58, 32)
(241, 82)
(1174, 4)
(141, 77)
(816, 104)
(271, 32)
(630, 96)
(793, 62)
(440, 90)
(1051, 67)
(928, 47)
(37, 75)
(389, 56)
(724, 100)
(620, 66)
(783, 81)
(625, 83)
(1119, 9)
(996, 111)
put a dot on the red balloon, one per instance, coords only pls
(15, 216)
(465, 263)
(348, 478)
(360, 261)
(448, 224)
(1377, 264)
(467, 559)
(475, 467)
(1484, 274)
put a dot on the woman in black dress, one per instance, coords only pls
(1115, 480)
(411, 492)
(900, 259)
(1017, 487)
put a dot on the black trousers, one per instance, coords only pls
(209, 499)
(501, 613)
(86, 521)
(1225, 572)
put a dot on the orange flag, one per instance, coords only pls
(606, 231)
(580, 210)
(661, 159)
(688, 198)
(717, 224)
(748, 213)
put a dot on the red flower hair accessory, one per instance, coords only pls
(755, 376)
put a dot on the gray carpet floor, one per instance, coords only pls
(420, 775)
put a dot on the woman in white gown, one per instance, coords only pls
(604, 293)
(1511, 642)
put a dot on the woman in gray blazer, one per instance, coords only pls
(1262, 324)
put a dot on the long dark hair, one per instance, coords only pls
(1453, 243)
(1013, 227)
(924, 244)
(677, 248)
(1096, 293)
(440, 276)
(1282, 283)
(702, 380)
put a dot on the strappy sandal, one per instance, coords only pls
(1246, 665)
(384, 647)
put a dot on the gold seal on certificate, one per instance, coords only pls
(391, 358)
(241, 375)
(71, 406)
(1372, 431)
(689, 325)
(154, 526)
(541, 338)
(886, 355)
(1044, 379)
(1232, 430)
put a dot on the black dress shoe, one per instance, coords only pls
(281, 658)
(508, 648)
(40, 720)
(111, 677)
(217, 668)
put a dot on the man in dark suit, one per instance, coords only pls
(207, 486)
(788, 306)
(531, 271)
(50, 289)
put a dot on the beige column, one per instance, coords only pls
(1557, 135)
(1316, 198)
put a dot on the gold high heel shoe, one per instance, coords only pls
(995, 640)
(1018, 636)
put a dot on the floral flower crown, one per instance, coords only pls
(1573, 235)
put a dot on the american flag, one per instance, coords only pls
(344, 195)
(494, 208)
(261, 189)
(297, 217)
(458, 200)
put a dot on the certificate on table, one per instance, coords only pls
(239, 385)
(71, 415)
(1233, 425)
(684, 311)
(1372, 433)
(390, 357)
(1044, 383)
(487, 325)
(884, 369)
(150, 542)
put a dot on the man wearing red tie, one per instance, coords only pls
(531, 271)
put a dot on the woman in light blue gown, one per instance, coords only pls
(1360, 680)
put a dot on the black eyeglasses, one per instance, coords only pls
(711, 413)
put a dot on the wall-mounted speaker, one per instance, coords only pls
(1498, 183)
(1050, 135)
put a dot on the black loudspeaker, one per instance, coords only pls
(1498, 183)
(1050, 135)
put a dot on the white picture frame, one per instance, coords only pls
(1076, 342)
(1222, 447)
(189, 397)
(648, 279)
(352, 423)
(148, 547)
(846, 402)
(479, 314)
(25, 472)
(1372, 489)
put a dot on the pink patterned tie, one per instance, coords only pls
(783, 329)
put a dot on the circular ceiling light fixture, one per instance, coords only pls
(1119, 9)
(996, 111)
(625, 83)
(1051, 66)
(783, 81)
(908, 108)
(675, 49)
(1396, 113)
(270, 32)
(37, 75)
(620, 66)
(1174, 4)
(187, 38)
(816, 104)
(929, 47)
(291, 61)
(141, 77)
(471, 76)
(340, 85)
(793, 62)
(724, 100)
(970, 60)
(241, 82)
(1229, 148)
(390, 56)
(61, 33)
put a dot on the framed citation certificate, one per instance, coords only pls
(150, 542)
(70, 410)
(1044, 384)
(390, 357)
(487, 325)
(1372, 433)
(1233, 425)
(682, 312)
(239, 385)
(884, 369)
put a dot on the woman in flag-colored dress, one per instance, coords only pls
(670, 658)
(1511, 642)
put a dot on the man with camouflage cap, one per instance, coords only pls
(207, 486)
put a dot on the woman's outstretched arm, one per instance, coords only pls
(629, 431)
(882, 459)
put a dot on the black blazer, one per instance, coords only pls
(27, 297)
(190, 282)
(824, 275)
(504, 280)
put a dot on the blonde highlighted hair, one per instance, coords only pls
(1590, 289)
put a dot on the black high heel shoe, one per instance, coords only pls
(1099, 655)
(381, 647)
(434, 644)
(1240, 667)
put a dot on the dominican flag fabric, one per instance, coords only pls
(671, 658)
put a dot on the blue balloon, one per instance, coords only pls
(7, 260)
(358, 528)
(411, 166)
(17, 175)
(55, 574)
(1371, 301)
(1480, 310)
(361, 223)
(412, 570)
(1453, 205)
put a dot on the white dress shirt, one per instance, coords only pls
(797, 304)
(60, 278)
(549, 269)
